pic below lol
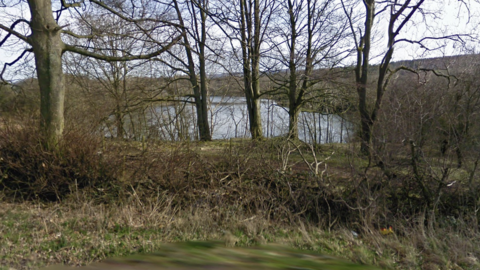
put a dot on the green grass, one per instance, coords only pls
(35, 235)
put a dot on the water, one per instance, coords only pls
(228, 118)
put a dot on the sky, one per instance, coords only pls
(451, 19)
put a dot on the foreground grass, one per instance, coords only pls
(37, 235)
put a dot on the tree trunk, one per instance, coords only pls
(293, 105)
(361, 76)
(256, 117)
(293, 114)
(48, 49)
(202, 117)
(199, 89)
(250, 42)
(119, 123)
(253, 102)
(206, 136)
(366, 129)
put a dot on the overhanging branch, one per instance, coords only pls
(457, 38)
(125, 18)
(13, 63)
(415, 71)
(13, 32)
(70, 33)
(84, 52)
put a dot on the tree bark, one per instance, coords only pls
(48, 49)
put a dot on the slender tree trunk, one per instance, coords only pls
(403, 11)
(256, 128)
(297, 91)
(293, 114)
(206, 136)
(366, 123)
(48, 49)
(293, 106)
(199, 89)
(361, 76)
(292, 91)
(250, 37)
(256, 117)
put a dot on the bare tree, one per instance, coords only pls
(44, 38)
(113, 80)
(309, 38)
(197, 31)
(247, 22)
(400, 15)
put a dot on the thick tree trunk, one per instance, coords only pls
(366, 137)
(48, 49)
(202, 121)
(205, 135)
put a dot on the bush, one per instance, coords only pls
(28, 170)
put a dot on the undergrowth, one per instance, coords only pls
(91, 199)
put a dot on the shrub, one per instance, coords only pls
(28, 170)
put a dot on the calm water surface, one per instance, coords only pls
(229, 119)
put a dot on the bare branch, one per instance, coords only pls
(70, 33)
(408, 17)
(125, 18)
(171, 66)
(415, 71)
(438, 74)
(84, 52)
(13, 32)
(69, 5)
(456, 37)
(13, 63)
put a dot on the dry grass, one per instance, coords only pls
(245, 193)
(78, 233)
